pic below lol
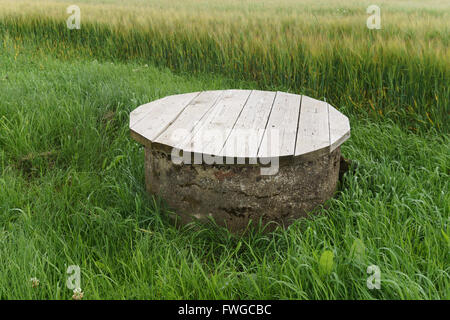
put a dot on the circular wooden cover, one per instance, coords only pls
(248, 124)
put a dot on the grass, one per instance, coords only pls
(320, 48)
(72, 193)
(72, 180)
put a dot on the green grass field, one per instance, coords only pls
(72, 180)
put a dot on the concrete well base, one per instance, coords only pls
(235, 194)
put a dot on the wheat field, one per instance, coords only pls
(321, 48)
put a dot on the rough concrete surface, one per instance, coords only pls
(235, 194)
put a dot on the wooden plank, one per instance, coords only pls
(211, 133)
(339, 128)
(140, 112)
(248, 131)
(153, 118)
(279, 137)
(313, 136)
(184, 125)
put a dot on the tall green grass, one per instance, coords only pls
(72, 180)
(72, 193)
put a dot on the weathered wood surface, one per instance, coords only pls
(242, 124)
(151, 119)
(281, 129)
(339, 128)
(313, 134)
(248, 131)
(184, 126)
(216, 126)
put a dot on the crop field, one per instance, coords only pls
(72, 188)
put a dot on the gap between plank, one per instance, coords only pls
(267, 122)
(298, 124)
(176, 117)
(226, 139)
(200, 120)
